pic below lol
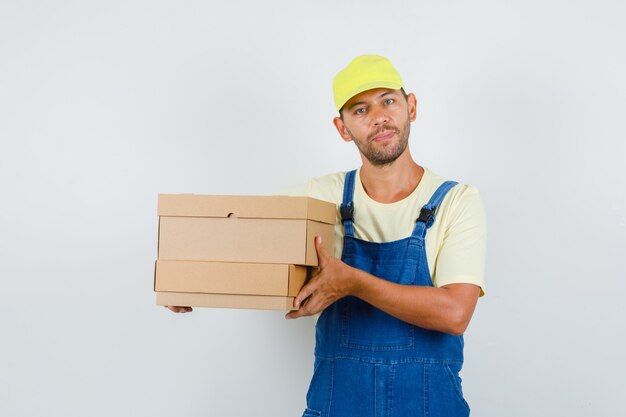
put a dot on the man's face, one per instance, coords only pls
(379, 123)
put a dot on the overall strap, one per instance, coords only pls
(347, 206)
(426, 217)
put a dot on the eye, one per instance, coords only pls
(360, 110)
(389, 101)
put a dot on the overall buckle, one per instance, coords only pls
(347, 212)
(426, 215)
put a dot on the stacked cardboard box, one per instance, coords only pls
(238, 251)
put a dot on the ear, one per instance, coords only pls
(412, 102)
(342, 129)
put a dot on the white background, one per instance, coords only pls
(103, 105)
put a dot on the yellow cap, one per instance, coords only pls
(364, 73)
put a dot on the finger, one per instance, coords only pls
(293, 315)
(177, 309)
(301, 312)
(315, 304)
(304, 293)
(322, 255)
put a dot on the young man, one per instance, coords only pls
(408, 267)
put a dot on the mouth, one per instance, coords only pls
(383, 136)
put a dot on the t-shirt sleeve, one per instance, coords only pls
(461, 258)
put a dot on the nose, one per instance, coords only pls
(378, 116)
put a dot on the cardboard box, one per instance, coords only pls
(229, 278)
(254, 229)
(260, 302)
(238, 251)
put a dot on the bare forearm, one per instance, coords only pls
(447, 309)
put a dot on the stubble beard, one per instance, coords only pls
(383, 155)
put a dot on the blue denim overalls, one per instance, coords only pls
(370, 364)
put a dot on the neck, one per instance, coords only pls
(393, 182)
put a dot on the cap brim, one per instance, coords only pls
(369, 86)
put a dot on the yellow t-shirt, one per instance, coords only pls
(455, 243)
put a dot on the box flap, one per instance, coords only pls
(270, 207)
(298, 276)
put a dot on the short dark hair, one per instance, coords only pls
(404, 94)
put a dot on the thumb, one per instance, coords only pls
(322, 255)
